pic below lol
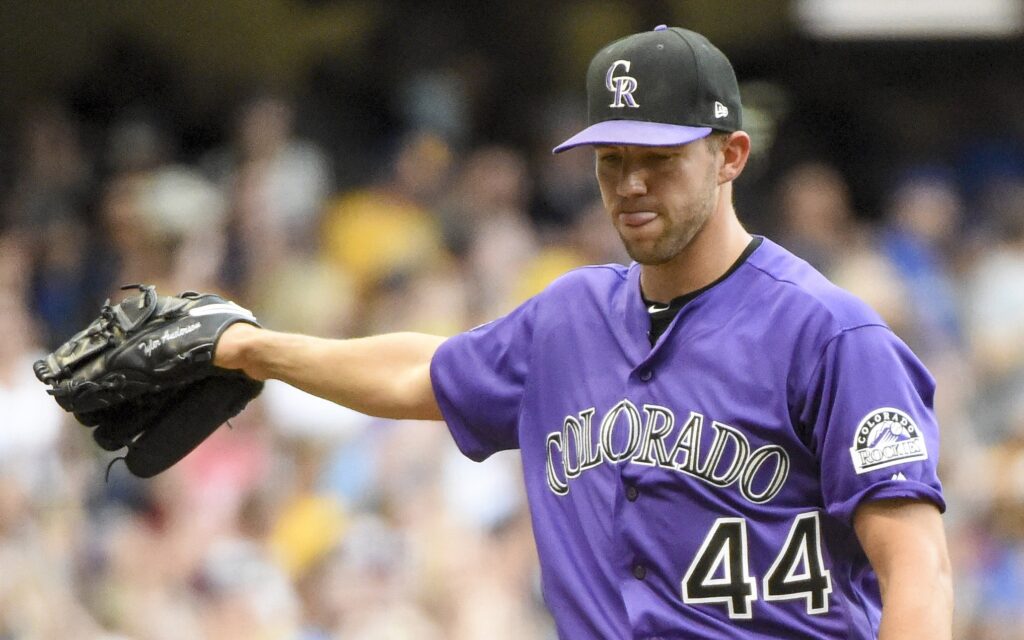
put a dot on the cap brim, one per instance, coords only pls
(638, 132)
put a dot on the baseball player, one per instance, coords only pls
(716, 441)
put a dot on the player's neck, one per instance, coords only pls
(711, 253)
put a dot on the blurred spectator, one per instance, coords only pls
(245, 595)
(433, 301)
(590, 239)
(920, 240)
(292, 176)
(389, 229)
(999, 542)
(487, 223)
(52, 177)
(45, 209)
(131, 249)
(995, 310)
(437, 101)
(817, 219)
(276, 185)
(362, 590)
(60, 289)
(165, 217)
(565, 182)
(33, 549)
(29, 436)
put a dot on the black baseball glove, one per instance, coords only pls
(142, 375)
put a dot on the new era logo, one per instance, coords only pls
(721, 110)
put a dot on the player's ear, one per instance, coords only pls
(735, 152)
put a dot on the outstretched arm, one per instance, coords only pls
(906, 544)
(386, 375)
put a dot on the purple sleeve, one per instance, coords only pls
(478, 379)
(869, 409)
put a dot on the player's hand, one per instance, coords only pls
(230, 351)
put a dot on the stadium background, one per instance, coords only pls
(347, 168)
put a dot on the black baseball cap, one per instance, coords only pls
(663, 87)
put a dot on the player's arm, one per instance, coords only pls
(906, 544)
(386, 375)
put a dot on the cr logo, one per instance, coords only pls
(622, 86)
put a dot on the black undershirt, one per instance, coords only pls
(663, 313)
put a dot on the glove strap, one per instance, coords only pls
(130, 314)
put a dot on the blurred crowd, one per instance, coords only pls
(306, 521)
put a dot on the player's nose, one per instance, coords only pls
(632, 183)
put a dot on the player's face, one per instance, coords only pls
(658, 197)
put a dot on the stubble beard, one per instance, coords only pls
(678, 232)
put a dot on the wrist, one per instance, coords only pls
(235, 349)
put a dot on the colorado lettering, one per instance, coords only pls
(645, 436)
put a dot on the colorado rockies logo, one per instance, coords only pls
(886, 437)
(622, 86)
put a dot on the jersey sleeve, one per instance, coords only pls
(869, 408)
(478, 379)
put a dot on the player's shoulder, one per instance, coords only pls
(590, 278)
(583, 290)
(806, 292)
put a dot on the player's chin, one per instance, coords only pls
(651, 253)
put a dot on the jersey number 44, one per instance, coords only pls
(720, 572)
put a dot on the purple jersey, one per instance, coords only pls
(705, 487)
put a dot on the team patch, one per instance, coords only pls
(886, 437)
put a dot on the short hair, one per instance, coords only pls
(716, 140)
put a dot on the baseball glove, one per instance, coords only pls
(142, 375)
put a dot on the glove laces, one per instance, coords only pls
(106, 476)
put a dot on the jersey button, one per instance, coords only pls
(646, 375)
(632, 493)
(639, 571)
